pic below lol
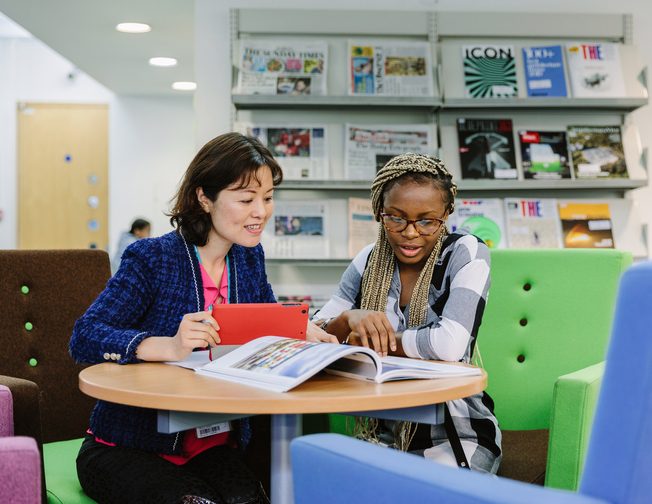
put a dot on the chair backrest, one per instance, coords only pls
(43, 292)
(549, 313)
(6, 412)
(619, 460)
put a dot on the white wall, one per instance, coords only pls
(31, 71)
(151, 140)
(212, 57)
(151, 144)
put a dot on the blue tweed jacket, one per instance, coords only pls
(158, 282)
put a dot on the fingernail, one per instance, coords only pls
(394, 347)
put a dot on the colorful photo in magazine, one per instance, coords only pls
(400, 66)
(489, 71)
(586, 225)
(362, 70)
(486, 148)
(313, 66)
(293, 85)
(289, 142)
(274, 355)
(544, 154)
(597, 151)
(285, 225)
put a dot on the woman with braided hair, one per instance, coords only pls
(420, 292)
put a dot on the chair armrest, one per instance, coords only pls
(27, 407)
(20, 470)
(6, 412)
(574, 400)
(331, 468)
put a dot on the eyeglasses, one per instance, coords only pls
(424, 227)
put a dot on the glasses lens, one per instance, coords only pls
(394, 223)
(427, 226)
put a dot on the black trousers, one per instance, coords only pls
(112, 474)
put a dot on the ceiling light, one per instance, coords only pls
(163, 62)
(133, 27)
(184, 86)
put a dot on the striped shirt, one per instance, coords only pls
(457, 297)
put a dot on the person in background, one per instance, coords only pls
(140, 228)
(420, 292)
(157, 307)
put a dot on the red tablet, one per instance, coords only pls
(240, 323)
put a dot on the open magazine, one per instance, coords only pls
(280, 364)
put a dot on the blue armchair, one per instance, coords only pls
(332, 468)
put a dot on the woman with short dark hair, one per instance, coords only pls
(157, 307)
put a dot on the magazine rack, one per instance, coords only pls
(446, 32)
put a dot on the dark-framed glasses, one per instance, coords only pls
(424, 227)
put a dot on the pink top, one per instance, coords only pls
(192, 445)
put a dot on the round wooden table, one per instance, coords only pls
(175, 389)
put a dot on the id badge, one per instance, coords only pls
(211, 430)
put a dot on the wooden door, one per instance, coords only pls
(62, 176)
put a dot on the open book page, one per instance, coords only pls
(277, 363)
(397, 368)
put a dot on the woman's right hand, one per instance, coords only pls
(373, 329)
(196, 330)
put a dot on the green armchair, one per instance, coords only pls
(549, 314)
(544, 332)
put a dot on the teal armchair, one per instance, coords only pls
(549, 313)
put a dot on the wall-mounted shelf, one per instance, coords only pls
(618, 104)
(309, 262)
(251, 102)
(479, 185)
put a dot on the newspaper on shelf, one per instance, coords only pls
(369, 147)
(299, 230)
(363, 228)
(301, 150)
(389, 68)
(282, 67)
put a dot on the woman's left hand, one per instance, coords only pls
(317, 334)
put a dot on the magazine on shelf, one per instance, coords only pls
(544, 154)
(544, 71)
(299, 230)
(532, 223)
(369, 147)
(595, 70)
(280, 364)
(300, 149)
(597, 151)
(586, 225)
(486, 148)
(489, 71)
(282, 67)
(386, 68)
(363, 228)
(483, 218)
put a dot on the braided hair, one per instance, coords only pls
(377, 276)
